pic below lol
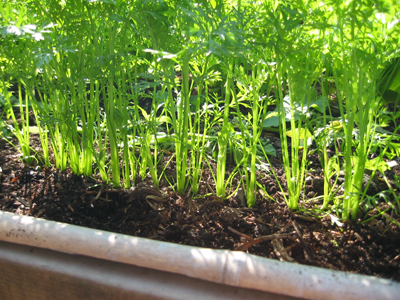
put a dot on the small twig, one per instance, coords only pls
(247, 209)
(307, 252)
(22, 201)
(274, 236)
(280, 251)
(394, 259)
(245, 246)
(210, 189)
(263, 239)
(249, 238)
(260, 239)
(153, 206)
(391, 219)
(156, 198)
(98, 194)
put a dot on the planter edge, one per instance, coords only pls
(219, 266)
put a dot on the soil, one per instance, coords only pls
(205, 220)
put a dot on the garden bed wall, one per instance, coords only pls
(224, 268)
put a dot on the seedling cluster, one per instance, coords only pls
(113, 85)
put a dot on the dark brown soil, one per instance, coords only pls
(204, 220)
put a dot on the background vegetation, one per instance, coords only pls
(111, 83)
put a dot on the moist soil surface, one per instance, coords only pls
(204, 220)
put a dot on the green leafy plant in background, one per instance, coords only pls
(214, 32)
(389, 82)
(179, 113)
(203, 110)
(249, 87)
(295, 52)
(295, 163)
(88, 70)
(19, 35)
(355, 79)
(20, 131)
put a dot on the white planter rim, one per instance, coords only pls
(219, 266)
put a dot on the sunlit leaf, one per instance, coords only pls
(376, 163)
(337, 125)
(299, 134)
(272, 120)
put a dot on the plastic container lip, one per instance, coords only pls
(225, 267)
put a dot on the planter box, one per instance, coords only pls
(42, 259)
